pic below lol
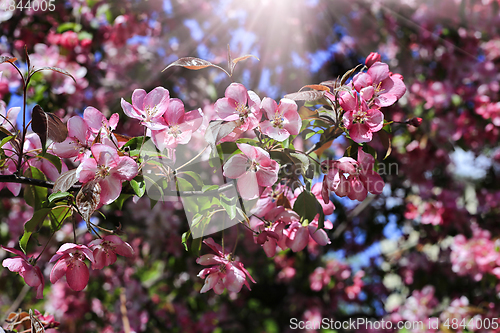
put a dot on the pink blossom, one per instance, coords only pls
(358, 119)
(319, 235)
(32, 147)
(241, 106)
(284, 120)
(8, 118)
(71, 262)
(252, 169)
(372, 58)
(9, 168)
(297, 237)
(347, 177)
(178, 125)
(148, 108)
(319, 279)
(111, 170)
(106, 249)
(227, 273)
(32, 275)
(378, 84)
(78, 141)
(99, 124)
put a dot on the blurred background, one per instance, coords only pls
(426, 248)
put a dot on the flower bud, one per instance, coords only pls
(372, 58)
(416, 121)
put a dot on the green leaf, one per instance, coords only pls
(56, 161)
(152, 203)
(184, 185)
(58, 215)
(36, 219)
(35, 196)
(121, 200)
(309, 135)
(134, 143)
(305, 205)
(185, 237)
(229, 205)
(206, 188)
(6, 139)
(59, 195)
(138, 185)
(193, 175)
(69, 26)
(23, 242)
(196, 219)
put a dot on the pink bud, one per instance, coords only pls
(372, 58)
(416, 121)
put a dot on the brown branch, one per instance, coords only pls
(48, 184)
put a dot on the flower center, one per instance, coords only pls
(102, 171)
(278, 121)
(150, 111)
(243, 111)
(360, 117)
(174, 130)
(253, 166)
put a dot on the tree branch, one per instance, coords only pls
(48, 184)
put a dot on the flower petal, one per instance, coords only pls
(77, 275)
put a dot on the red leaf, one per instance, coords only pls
(7, 59)
(311, 95)
(316, 87)
(88, 199)
(194, 63)
(48, 125)
(55, 69)
(65, 181)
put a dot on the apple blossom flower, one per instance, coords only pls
(178, 125)
(348, 177)
(71, 262)
(227, 273)
(106, 249)
(21, 264)
(319, 235)
(148, 108)
(378, 83)
(78, 142)
(32, 147)
(252, 169)
(110, 168)
(99, 124)
(358, 119)
(8, 118)
(8, 167)
(284, 120)
(241, 106)
(297, 237)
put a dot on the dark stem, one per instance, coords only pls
(48, 184)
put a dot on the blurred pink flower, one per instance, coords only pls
(227, 273)
(32, 275)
